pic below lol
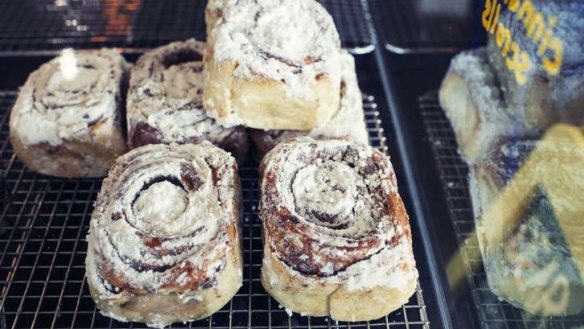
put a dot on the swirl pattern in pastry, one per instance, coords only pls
(67, 120)
(164, 237)
(165, 101)
(335, 230)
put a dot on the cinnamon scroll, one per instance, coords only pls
(68, 119)
(337, 236)
(165, 101)
(270, 75)
(164, 241)
(348, 122)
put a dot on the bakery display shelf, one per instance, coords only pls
(428, 26)
(492, 312)
(43, 225)
(44, 27)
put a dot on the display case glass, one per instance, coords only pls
(478, 103)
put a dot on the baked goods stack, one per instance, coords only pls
(517, 123)
(347, 122)
(282, 80)
(164, 243)
(165, 101)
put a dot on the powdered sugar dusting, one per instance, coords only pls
(161, 198)
(332, 186)
(65, 96)
(473, 66)
(385, 269)
(161, 216)
(166, 93)
(293, 41)
(336, 194)
(347, 122)
(480, 117)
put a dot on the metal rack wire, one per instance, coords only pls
(42, 244)
(33, 27)
(493, 313)
(423, 26)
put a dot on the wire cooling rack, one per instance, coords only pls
(422, 26)
(493, 313)
(46, 26)
(42, 243)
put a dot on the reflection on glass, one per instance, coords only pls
(516, 109)
(68, 64)
(118, 19)
(528, 199)
(532, 234)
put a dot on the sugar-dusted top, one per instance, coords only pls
(68, 95)
(162, 218)
(294, 41)
(331, 211)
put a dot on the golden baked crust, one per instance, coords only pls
(321, 299)
(348, 121)
(159, 309)
(264, 103)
